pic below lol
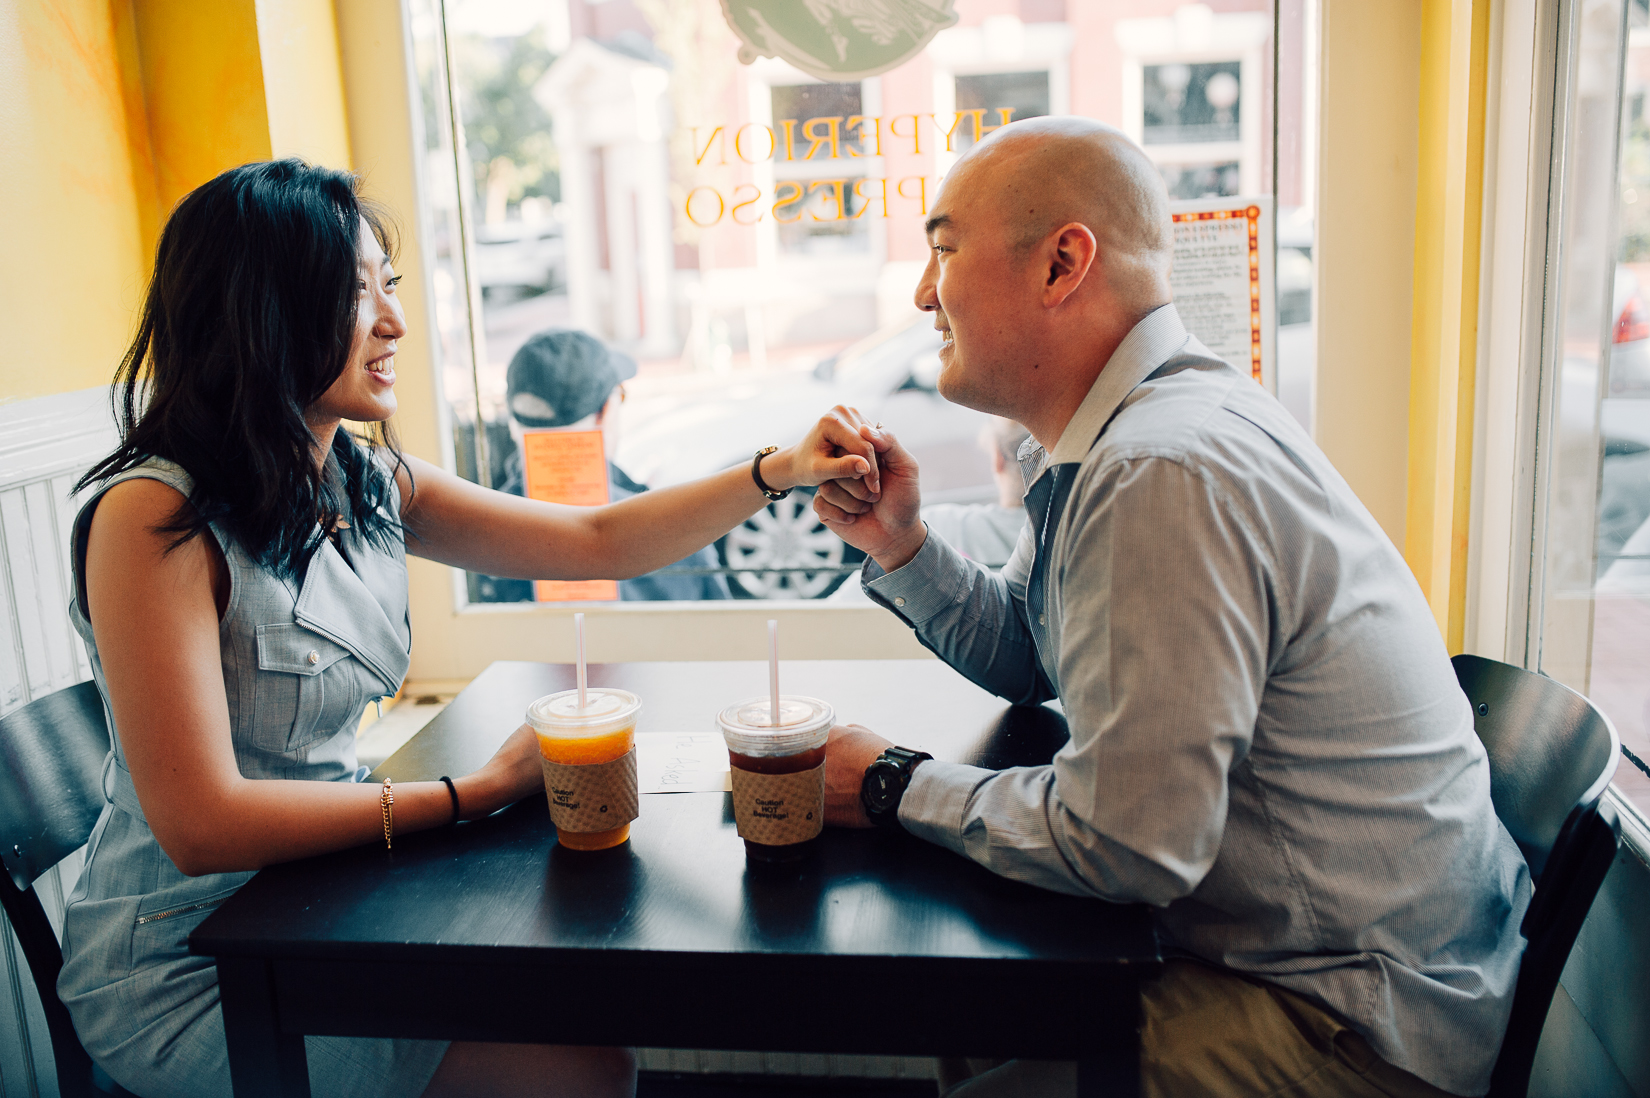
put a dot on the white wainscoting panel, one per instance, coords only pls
(45, 446)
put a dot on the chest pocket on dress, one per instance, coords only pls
(308, 687)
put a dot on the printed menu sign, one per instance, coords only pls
(570, 467)
(1223, 280)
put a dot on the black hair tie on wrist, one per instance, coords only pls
(453, 793)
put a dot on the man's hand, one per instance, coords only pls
(848, 752)
(885, 525)
(836, 448)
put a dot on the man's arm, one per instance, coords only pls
(968, 616)
(1167, 613)
(964, 613)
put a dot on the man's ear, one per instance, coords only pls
(1073, 254)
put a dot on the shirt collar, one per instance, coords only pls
(1149, 344)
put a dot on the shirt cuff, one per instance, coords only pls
(933, 580)
(937, 799)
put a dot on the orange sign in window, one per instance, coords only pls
(568, 467)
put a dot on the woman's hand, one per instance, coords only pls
(512, 773)
(836, 449)
(887, 525)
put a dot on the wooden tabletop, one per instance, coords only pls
(879, 944)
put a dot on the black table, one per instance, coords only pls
(882, 944)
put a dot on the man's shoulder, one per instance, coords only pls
(1202, 414)
(1177, 413)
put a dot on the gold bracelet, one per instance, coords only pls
(387, 801)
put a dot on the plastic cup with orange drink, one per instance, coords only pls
(588, 754)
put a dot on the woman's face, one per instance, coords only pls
(365, 391)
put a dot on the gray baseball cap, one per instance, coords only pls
(560, 376)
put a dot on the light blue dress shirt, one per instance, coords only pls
(1267, 739)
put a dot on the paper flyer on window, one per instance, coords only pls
(1224, 281)
(563, 466)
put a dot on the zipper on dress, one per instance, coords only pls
(159, 915)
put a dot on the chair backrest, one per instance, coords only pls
(51, 793)
(1550, 750)
(1551, 756)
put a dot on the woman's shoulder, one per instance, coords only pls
(141, 501)
(138, 506)
(132, 538)
(151, 471)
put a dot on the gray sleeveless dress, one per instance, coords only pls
(301, 659)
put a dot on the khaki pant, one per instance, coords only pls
(1209, 1032)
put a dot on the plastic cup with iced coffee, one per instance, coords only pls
(588, 753)
(778, 771)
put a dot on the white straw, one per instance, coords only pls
(773, 669)
(578, 640)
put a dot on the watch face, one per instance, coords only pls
(882, 785)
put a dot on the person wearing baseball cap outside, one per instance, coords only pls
(566, 378)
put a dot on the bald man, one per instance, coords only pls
(1268, 744)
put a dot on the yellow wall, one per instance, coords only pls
(203, 89)
(303, 82)
(1369, 88)
(112, 110)
(1448, 222)
(72, 234)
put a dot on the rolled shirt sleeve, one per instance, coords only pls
(1165, 609)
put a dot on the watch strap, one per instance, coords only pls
(756, 474)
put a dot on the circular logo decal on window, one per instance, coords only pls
(837, 39)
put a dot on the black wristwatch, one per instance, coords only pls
(884, 784)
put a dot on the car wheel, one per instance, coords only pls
(784, 552)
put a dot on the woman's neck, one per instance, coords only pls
(324, 433)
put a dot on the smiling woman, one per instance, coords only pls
(267, 546)
(365, 391)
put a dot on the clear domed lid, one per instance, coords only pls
(605, 710)
(748, 727)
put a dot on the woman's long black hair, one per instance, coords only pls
(249, 319)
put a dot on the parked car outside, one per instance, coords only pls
(683, 427)
(522, 256)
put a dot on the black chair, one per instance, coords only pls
(1551, 756)
(51, 792)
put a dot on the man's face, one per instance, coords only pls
(981, 290)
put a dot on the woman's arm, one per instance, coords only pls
(458, 523)
(155, 617)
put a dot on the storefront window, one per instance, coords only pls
(745, 236)
(1591, 604)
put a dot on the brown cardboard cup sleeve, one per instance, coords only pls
(779, 809)
(592, 796)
